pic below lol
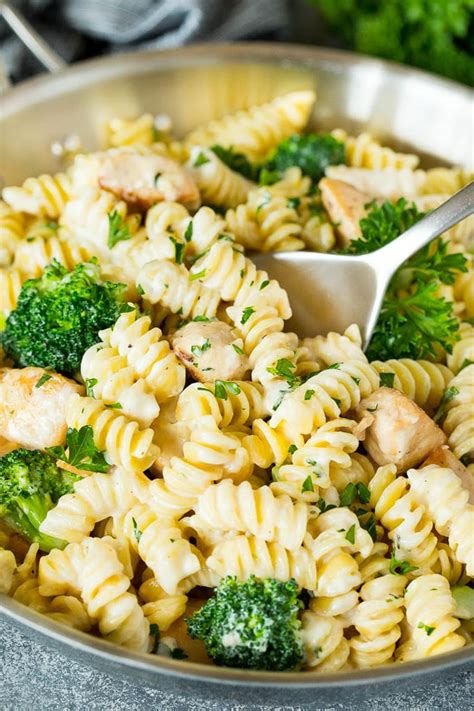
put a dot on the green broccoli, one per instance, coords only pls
(432, 34)
(30, 485)
(251, 625)
(311, 152)
(59, 315)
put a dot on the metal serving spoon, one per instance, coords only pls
(328, 292)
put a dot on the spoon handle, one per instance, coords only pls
(459, 206)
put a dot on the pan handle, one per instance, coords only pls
(31, 39)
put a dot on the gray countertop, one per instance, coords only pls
(34, 677)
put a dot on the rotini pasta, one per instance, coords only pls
(43, 196)
(119, 437)
(258, 129)
(440, 491)
(219, 185)
(12, 230)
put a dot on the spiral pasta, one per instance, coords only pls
(432, 626)
(336, 347)
(257, 130)
(31, 257)
(333, 392)
(463, 350)
(218, 184)
(363, 151)
(94, 499)
(420, 380)
(445, 180)
(404, 518)
(147, 353)
(377, 619)
(172, 286)
(161, 545)
(129, 132)
(324, 644)
(236, 277)
(239, 408)
(440, 491)
(124, 443)
(12, 230)
(43, 196)
(11, 282)
(158, 607)
(330, 447)
(459, 424)
(7, 569)
(227, 507)
(208, 456)
(243, 556)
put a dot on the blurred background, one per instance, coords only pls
(436, 35)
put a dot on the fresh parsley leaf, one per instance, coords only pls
(140, 290)
(118, 231)
(350, 534)
(449, 394)
(387, 380)
(324, 506)
(155, 633)
(179, 248)
(348, 495)
(137, 533)
(246, 314)
(293, 203)
(400, 567)
(200, 160)
(188, 233)
(222, 387)
(292, 448)
(307, 484)
(201, 319)
(317, 470)
(90, 382)
(309, 394)
(199, 350)
(114, 405)
(237, 349)
(81, 451)
(264, 284)
(429, 630)
(383, 224)
(44, 379)
(237, 162)
(197, 275)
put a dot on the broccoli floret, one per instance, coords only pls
(30, 485)
(311, 152)
(252, 624)
(59, 315)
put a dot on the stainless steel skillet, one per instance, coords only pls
(405, 107)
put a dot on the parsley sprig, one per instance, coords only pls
(80, 451)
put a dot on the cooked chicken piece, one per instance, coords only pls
(210, 350)
(386, 183)
(143, 180)
(31, 411)
(346, 207)
(443, 457)
(399, 432)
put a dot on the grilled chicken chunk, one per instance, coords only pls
(345, 206)
(210, 350)
(31, 411)
(397, 430)
(143, 180)
(443, 457)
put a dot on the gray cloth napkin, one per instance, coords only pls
(78, 29)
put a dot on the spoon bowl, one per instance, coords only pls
(328, 292)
